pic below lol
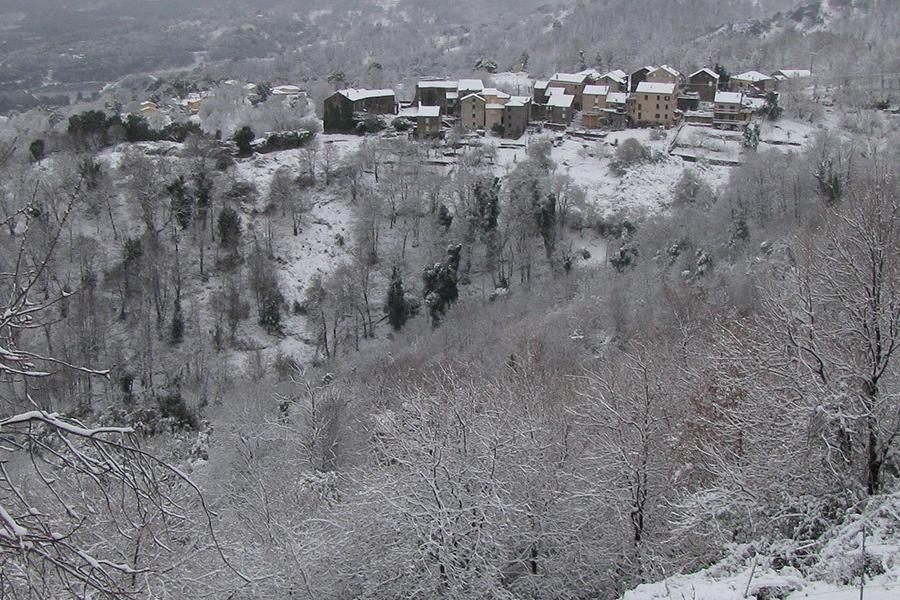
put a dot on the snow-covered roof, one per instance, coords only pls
(647, 68)
(438, 85)
(618, 76)
(493, 106)
(410, 112)
(494, 92)
(753, 103)
(751, 76)
(541, 85)
(519, 99)
(355, 95)
(429, 111)
(452, 94)
(592, 73)
(577, 78)
(596, 90)
(556, 90)
(616, 98)
(470, 84)
(668, 70)
(794, 73)
(286, 90)
(472, 95)
(709, 72)
(648, 87)
(728, 97)
(561, 100)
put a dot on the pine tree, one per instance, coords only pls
(396, 306)
(244, 140)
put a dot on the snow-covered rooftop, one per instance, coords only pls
(494, 92)
(668, 70)
(429, 111)
(560, 100)
(648, 87)
(577, 78)
(286, 90)
(493, 106)
(616, 98)
(729, 97)
(752, 76)
(438, 85)
(596, 90)
(709, 72)
(541, 85)
(354, 94)
(618, 75)
(475, 95)
(794, 73)
(473, 85)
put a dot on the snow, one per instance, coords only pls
(560, 100)
(429, 111)
(832, 576)
(752, 76)
(617, 98)
(495, 93)
(513, 80)
(569, 78)
(474, 85)
(648, 87)
(596, 90)
(354, 94)
(794, 73)
(644, 189)
(438, 85)
(709, 72)
(668, 70)
(728, 97)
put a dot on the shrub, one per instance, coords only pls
(629, 153)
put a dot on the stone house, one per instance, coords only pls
(705, 83)
(344, 108)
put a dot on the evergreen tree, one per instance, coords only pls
(772, 109)
(36, 150)
(396, 306)
(440, 284)
(244, 139)
(137, 129)
(229, 229)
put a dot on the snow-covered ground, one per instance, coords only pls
(833, 574)
(645, 188)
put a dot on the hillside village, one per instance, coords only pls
(589, 100)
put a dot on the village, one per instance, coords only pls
(658, 97)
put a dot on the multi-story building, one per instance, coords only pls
(705, 83)
(471, 112)
(655, 104)
(729, 111)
